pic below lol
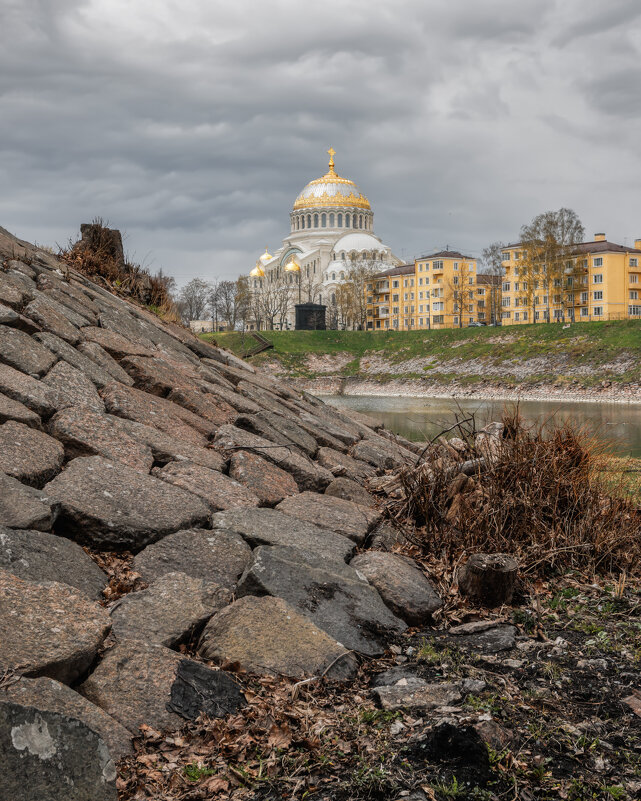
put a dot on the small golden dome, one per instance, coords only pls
(258, 271)
(266, 256)
(331, 191)
(292, 266)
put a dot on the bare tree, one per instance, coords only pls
(492, 259)
(459, 293)
(193, 299)
(354, 290)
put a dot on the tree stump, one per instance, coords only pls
(488, 579)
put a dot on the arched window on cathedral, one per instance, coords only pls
(347, 218)
(333, 276)
(315, 220)
(309, 220)
(342, 275)
(323, 220)
(331, 220)
(320, 297)
(340, 220)
(343, 255)
(333, 299)
(354, 221)
(302, 221)
(360, 221)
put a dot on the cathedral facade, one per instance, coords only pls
(331, 229)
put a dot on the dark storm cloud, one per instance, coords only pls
(192, 126)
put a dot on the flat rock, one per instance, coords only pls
(307, 474)
(168, 449)
(51, 696)
(74, 387)
(85, 432)
(350, 490)
(341, 464)
(49, 755)
(51, 317)
(293, 432)
(326, 428)
(216, 556)
(12, 293)
(157, 376)
(63, 350)
(27, 390)
(268, 636)
(123, 320)
(14, 410)
(170, 611)
(69, 294)
(270, 527)
(333, 595)
(114, 343)
(263, 397)
(401, 585)
(133, 404)
(419, 697)
(219, 491)
(142, 683)
(114, 507)
(38, 556)
(22, 506)
(205, 405)
(269, 483)
(402, 675)
(239, 402)
(48, 629)
(29, 455)
(21, 351)
(488, 641)
(382, 453)
(344, 517)
(103, 360)
(14, 319)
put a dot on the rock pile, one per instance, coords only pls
(241, 500)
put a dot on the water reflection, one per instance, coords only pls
(424, 418)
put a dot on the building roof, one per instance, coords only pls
(593, 246)
(402, 269)
(358, 241)
(447, 254)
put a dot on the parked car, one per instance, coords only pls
(476, 325)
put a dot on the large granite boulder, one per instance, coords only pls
(22, 506)
(350, 490)
(38, 556)
(49, 755)
(74, 387)
(139, 683)
(51, 696)
(21, 351)
(382, 453)
(215, 556)
(269, 636)
(271, 527)
(86, 432)
(269, 483)
(14, 410)
(112, 506)
(336, 514)
(333, 595)
(217, 490)
(103, 360)
(29, 455)
(114, 343)
(63, 350)
(403, 587)
(48, 629)
(341, 464)
(35, 395)
(51, 316)
(170, 611)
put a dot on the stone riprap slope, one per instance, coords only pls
(241, 500)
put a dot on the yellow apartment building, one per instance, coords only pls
(441, 290)
(600, 281)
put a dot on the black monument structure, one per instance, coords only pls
(310, 317)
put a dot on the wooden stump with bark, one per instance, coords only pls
(488, 579)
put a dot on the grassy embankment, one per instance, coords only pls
(531, 354)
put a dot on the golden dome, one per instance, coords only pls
(331, 191)
(258, 271)
(292, 266)
(266, 256)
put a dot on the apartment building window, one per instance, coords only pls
(420, 296)
(505, 301)
(516, 286)
(481, 304)
(481, 315)
(480, 292)
(427, 265)
(517, 301)
(584, 312)
(438, 319)
(597, 311)
(557, 299)
(506, 255)
(420, 282)
(634, 278)
(537, 315)
(525, 315)
(598, 278)
(545, 300)
(584, 297)
(597, 262)
(420, 268)
(470, 308)
(420, 308)
(516, 271)
(557, 282)
(598, 295)
(438, 265)
(558, 314)
(394, 284)
(395, 298)
(517, 255)
(517, 315)
(634, 294)
(506, 286)
(420, 321)
(411, 296)
(634, 262)
(455, 265)
(427, 280)
(455, 280)
(395, 309)
(506, 315)
(634, 311)
(405, 296)
(438, 306)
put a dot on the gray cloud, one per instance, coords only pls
(193, 126)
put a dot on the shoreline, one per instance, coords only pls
(415, 388)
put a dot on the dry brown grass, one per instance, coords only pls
(537, 495)
(97, 259)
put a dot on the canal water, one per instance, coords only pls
(423, 418)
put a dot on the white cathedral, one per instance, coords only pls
(331, 227)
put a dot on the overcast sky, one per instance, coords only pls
(192, 125)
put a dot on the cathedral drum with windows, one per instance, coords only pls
(331, 228)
